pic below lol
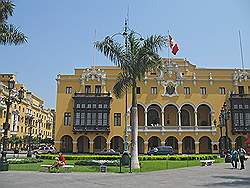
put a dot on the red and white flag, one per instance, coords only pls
(173, 45)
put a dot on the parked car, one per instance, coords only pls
(161, 150)
(108, 152)
(45, 150)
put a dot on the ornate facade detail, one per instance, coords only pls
(194, 79)
(239, 76)
(93, 74)
(210, 79)
(170, 88)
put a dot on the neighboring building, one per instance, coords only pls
(178, 106)
(29, 113)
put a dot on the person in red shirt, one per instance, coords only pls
(60, 161)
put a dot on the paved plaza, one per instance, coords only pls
(218, 175)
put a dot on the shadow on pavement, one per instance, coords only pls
(230, 181)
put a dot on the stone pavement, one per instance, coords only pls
(218, 175)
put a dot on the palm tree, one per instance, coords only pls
(135, 59)
(9, 34)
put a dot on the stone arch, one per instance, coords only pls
(205, 145)
(170, 115)
(116, 144)
(141, 116)
(140, 145)
(172, 141)
(187, 115)
(239, 142)
(188, 145)
(204, 115)
(154, 115)
(153, 142)
(83, 144)
(66, 144)
(100, 143)
(154, 103)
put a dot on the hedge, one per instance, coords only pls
(24, 160)
(141, 158)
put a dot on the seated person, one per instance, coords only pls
(60, 161)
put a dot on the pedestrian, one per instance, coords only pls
(242, 154)
(234, 158)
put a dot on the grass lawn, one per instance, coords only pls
(145, 166)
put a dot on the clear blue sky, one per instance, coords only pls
(61, 34)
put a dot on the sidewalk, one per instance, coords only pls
(218, 175)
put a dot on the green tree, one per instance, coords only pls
(9, 34)
(135, 58)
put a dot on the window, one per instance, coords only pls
(68, 90)
(241, 90)
(77, 120)
(117, 119)
(78, 105)
(203, 90)
(67, 118)
(138, 90)
(98, 89)
(105, 119)
(222, 90)
(186, 90)
(153, 90)
(82, 118)
(87, 89)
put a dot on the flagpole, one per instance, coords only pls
(241, 52)
(168, 47)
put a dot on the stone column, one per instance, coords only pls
(197, 148)
(180, 147)
(57, 145)
(162, 143)
(75, 149)
(162, 118)
(145, 147)
(195, 119)
(91, 146)
(179, 119)
(146, 118)
(108, 144)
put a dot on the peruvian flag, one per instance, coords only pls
(173, 45)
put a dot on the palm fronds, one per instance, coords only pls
(9, 34)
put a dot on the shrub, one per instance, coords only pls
(141, 158)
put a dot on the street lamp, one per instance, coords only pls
(224, 115)
(12, 97)
(30, 118)
(127, 31)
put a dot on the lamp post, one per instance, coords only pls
(224, 117)
(30, 118)
(221, 141)
(4, 165)
(127, 31)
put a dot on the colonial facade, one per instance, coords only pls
(25, 118)
(178, 106)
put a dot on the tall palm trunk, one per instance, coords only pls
(134, 132)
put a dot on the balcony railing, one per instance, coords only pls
(92, 94)
(91, 129)
(173, 128)
(241, 129)
(234, 96)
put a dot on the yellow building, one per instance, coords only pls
(29, 115)
(178, 106)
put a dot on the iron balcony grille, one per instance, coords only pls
(91, 129)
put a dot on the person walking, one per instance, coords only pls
(234, 158)
(242, 154)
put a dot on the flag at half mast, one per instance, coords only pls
(173, 45)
